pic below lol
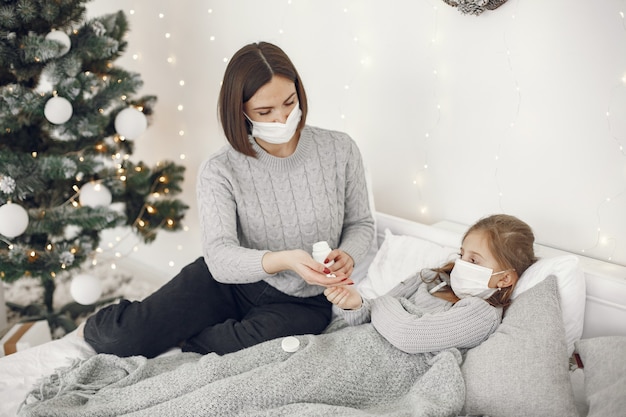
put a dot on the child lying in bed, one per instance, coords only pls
(406, 362)
(459, 304)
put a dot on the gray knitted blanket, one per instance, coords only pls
(349, 372)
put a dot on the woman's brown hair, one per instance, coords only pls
(249, 69)
(511, 241)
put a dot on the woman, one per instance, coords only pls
(458, 305)
(278, 187)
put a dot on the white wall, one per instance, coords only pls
(519, 110)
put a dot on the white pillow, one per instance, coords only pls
(399, 257)
(572, 290)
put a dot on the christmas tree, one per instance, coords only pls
(68, 118)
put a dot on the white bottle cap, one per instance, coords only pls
(321, 246)
(290, 344)
(320, 252)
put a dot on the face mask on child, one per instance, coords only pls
(471, 280)
(274, 132)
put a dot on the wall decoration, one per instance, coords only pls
(475, 7)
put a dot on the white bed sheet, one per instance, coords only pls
(20, 371)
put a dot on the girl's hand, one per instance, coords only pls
(345, 297)
(311, 271)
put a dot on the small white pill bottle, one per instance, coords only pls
(321, 251)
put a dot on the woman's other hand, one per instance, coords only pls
(345, 297)
(342, 262)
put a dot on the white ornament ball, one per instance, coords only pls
(61, 37)
(58, 110)
(130, 123)
(85, 289)
(13, 220)
(94, 194)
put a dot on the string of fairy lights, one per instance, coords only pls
(607, 241)
(431, 132)
(129, 123)
(123, 242)
(517, 93)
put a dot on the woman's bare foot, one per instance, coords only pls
(80, 331)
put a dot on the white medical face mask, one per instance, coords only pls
(471, 280)
(274, 132)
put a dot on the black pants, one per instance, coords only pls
(201, 315)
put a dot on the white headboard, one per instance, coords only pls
(605, 309)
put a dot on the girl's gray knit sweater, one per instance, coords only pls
(415, 321)
(249, 206)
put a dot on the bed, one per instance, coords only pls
(560, 350)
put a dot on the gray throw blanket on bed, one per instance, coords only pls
(349, 372)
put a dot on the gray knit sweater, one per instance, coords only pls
(415, 321)
(249, 206)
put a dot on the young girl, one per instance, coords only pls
(458, 305)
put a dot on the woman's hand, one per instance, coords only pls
(311, 271)
(345, 297)
(343, 263)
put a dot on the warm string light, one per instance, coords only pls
(604, 240)
(113, 251)
(350, 78)
(72, 200)
(619, 89)
(34, 254)
(512, 123)
(172, 61)
(138, 222)
(429, 133)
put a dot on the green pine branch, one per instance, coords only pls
(44, 165)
